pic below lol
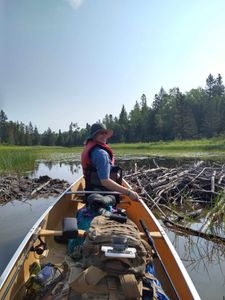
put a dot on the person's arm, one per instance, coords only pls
(113, 186)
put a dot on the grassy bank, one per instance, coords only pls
(20, 159)
(193, 148)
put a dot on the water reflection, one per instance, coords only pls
(205, 262)
(62, 170)
(16, 218)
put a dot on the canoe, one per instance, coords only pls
(170, 271)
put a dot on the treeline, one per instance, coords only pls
(196, 114)
(15, 133)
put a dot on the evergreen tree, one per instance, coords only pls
(218, 88)
(48, 138)
(10, 133)
(60, 139)
(145, 110)
(158, 115)
(36, 137)
(70, 135)
(197, 99)
(158, 100)
(76, 130)
(135, 123)
(21, 139)
(210, 81)
(28, 137)
(211, 117)
(3, 123)
(123, 125)
(179, 114)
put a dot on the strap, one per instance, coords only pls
(93, 275)
(87, 279)
(131, 288)
(154, 285)
(112, 288)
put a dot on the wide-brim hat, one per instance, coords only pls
(99, 127)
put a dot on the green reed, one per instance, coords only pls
(17, 160)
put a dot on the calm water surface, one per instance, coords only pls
(204, 260)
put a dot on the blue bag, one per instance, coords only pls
(84, 217)
(150, 281)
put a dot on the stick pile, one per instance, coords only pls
(14, 187)
(197, 183)
(181, 195)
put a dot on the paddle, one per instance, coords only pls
(150, 240)
(156, 254)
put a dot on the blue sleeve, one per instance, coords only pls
(100, 158)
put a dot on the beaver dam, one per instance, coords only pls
(185, 195)
(22, 187)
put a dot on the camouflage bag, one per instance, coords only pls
(101, 233)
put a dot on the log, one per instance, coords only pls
(40, 188)
(213, 182)
(185, 229)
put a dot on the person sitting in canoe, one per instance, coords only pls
(98, 163)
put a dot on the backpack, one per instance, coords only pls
(101, 233)
(105, 277)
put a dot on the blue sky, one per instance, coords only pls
(77, 60)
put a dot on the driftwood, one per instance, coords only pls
(184, 193)
(40, 188)
(185, 229)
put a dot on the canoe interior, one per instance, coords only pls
(173, 280)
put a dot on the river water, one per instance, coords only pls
(205, 261)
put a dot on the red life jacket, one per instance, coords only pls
(85, 155)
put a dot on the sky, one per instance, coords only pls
(64, 61)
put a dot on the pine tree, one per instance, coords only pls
(123, 125)
(210, 81)
(36, 136)
(158, 100)
(3, 127)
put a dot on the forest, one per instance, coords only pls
(196, 114)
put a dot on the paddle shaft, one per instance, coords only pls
(93, 192)
(152, 244)
(150, 240)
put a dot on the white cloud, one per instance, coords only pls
(75, 3)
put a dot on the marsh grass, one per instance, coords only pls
(21, 159)
(13, 160)
(18, 159)
(175, 148)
